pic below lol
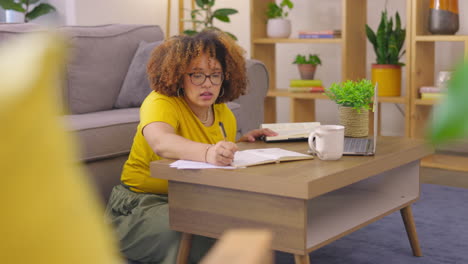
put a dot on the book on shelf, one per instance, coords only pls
(305, 83)
(430, 89)
(432, 96)
(319, 34)
(251, 157)
(298, 131)
(314, 36)
(336, 32)
(312, 89)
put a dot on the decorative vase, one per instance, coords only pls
(278, 28)
(388, 77)
(443, 17)
(14, 17)
(356, 123)
(307, 71)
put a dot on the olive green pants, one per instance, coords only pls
(141, 222)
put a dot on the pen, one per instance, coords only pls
(223, 132)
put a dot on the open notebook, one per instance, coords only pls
(291, 131)
(246, 158)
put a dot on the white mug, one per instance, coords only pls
(329, 142)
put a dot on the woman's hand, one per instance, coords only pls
(221, 154)
(251, 136)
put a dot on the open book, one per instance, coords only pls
(252, 157)
(291, 131)
(246, 158)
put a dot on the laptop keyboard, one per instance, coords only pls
(355, 144)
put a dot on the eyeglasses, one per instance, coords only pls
(198, 78)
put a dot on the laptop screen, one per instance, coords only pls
(376, 115)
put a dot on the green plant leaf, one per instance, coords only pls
(200, 3)
(29, 1)
(39, 10)
(225, 12)
(222, 18)
(388, 40)
(210, 3)
(194, 13)
(449, 117)
(382, 43)
(392, 50)
(287, 3)
(190, 32)
(274, 11)
(355, 94)
(231, 35)
(12, 5)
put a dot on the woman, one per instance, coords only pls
(192, 78)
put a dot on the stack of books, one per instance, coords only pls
(431, 92)
(320, 34)
(306, 86)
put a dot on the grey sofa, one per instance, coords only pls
(99, 60)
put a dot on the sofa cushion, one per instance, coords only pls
(250, 114)
(104, 134)
(99, 61)
(136, 86)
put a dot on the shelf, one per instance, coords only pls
(285, 93)
(446, 162)
(441, 38)
(425, 102)
(295, 40)
(395, 100)
(351, 45)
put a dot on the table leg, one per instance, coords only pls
(184, 248)
(301, 259)
(407, 215)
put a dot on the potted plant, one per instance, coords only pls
(388, 43)
(307, 65)
(278, 26)
(354, 99)
(203, 17)
(29, 9)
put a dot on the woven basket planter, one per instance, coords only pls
(356, 124)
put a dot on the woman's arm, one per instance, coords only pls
(166, 143)
(252, 135)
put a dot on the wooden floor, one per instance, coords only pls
(444, 177)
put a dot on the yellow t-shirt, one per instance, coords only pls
(175, 112)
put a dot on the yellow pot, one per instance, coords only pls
(388, 76)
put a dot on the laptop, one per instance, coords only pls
(364, 146)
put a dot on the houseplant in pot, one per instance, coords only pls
(388, 43)
(204, 16)
(278, 26)
(28, 9)
(354, 99)
(307, 65)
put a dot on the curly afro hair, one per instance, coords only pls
(168, 62)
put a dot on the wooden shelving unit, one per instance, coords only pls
(352, 44)
(422, 55)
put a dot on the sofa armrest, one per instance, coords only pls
(250, 113)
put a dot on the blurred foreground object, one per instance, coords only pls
(450, 121)
(50, 213)
(242, 246)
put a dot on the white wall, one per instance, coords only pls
(310, 15)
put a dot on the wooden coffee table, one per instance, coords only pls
(306, 204)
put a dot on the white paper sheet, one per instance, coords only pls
(188, 164)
